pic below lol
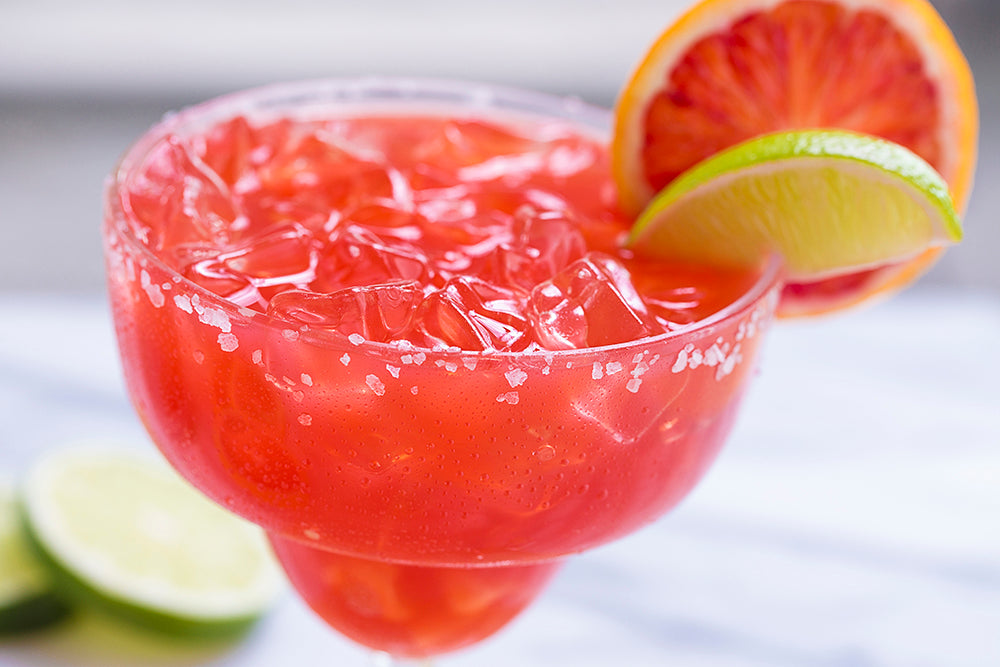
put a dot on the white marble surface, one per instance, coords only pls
(852, 521)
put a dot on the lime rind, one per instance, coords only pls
(829, 201)
(121, 532)
(28, 600)
(75, 589)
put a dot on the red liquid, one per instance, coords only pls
(393, 468)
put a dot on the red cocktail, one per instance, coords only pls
(391, 322)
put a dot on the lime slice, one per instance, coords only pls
(830, 202)
(27, 599)
(123, 532)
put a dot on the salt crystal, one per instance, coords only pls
(183, 302)
(228, 342)
(346, 359)
(154, 292)
(451, 366)
(407, 359)
(290, 334)
(515, 377)
(470, 363)
(306, 379)
(214, 317)
(613, 367)
(375, 384)
(305, 420)
(633, 385)
(597, 373)
(356, 338)
(419, 358)
(256, 356)
(413, 390)
(511, 398)
(393, 370)
(682, 359)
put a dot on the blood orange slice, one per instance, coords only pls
(730, 70)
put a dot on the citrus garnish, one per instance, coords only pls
(122, 532)
(27, 597)
(827, 201)
(731, 70)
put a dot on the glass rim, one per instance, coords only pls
(443, 94)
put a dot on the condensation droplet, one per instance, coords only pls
(545, 453)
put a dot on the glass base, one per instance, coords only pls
(410, 611)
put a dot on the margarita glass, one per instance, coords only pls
(419, 496)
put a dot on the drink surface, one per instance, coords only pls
(443, 232)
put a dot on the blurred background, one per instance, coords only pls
(80, 81)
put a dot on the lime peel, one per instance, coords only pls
(829, 201)
(27, 598)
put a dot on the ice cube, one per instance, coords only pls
(357, 256)
(180, 199)
(542, 244)
(376, 313)
(213, 276)
(309, 179)
(284, 254)
(461, 143)
(591, 302)
(471, 314)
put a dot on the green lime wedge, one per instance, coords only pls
(122, 532)
(829, 202)
(27, 598)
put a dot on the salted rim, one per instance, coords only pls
(365, 94)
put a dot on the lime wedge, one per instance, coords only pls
(830, 202)
(123, 532)
(27, 598)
